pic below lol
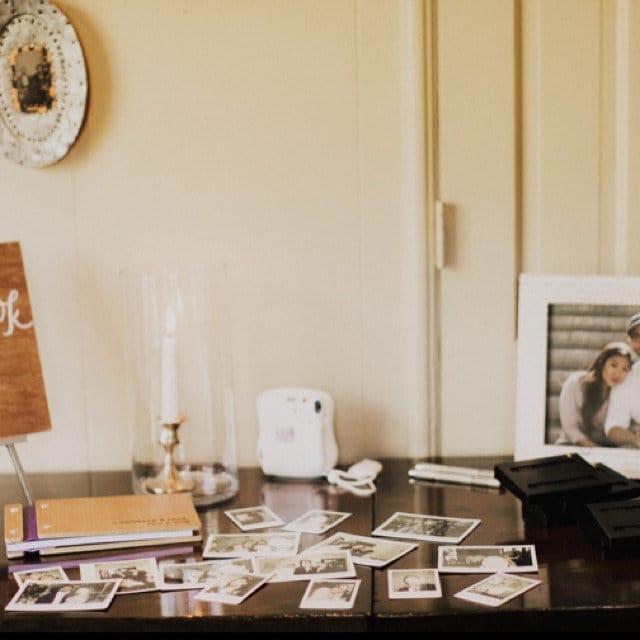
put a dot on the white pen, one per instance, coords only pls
(456, 478)
(443, 468)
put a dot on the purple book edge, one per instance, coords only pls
(66, 564)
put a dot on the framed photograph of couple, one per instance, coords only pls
(567, 324)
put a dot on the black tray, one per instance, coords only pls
(616, 525)
(557, 479)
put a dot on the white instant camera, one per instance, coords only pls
(296, 436)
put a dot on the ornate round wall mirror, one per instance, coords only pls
(43, 83)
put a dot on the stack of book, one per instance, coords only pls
(75, 525)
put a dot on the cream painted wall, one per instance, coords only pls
(278, 136)
(563, 142)
(285, 137)
(581, 137)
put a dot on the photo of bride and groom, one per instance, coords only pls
(599, 405)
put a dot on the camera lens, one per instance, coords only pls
(318, 406)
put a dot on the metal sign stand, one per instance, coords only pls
(24, 483)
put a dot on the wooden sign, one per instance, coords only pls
(23, 400)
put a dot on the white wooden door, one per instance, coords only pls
(477, 156)
(538, 112)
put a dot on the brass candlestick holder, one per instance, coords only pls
(169, 480)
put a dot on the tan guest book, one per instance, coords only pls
(71, 525)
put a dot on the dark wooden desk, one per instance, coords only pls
(272, 608)
(584, 588)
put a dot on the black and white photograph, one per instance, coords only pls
(135, 575)
(578, 348)
(415, 526)
(497, 589)
(316, 521)
(63, 595)
(246, 545)
(414, 583)
(374, 552)
(193, 575)
(249, 518)
(48, 574)
(307, 566)
(519, 558)
(233, 588)
(330, 594)
(33, 86)
(590, 352)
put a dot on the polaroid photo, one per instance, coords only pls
(497, 589)
(516, 558)
(247, 545)
(366, 550)
(50, 574)
(233, 588)
(63, 595)
(414, 583)
(194, 575)
(135, 575)
(316, 521)
(330, 594)
(254, 518)
(307, 566)
(415, 526)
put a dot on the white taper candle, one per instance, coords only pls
(169, 413)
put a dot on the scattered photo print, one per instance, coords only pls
(517, 558)
(63, 595)
(307, 566)
(366, 550)
(49, 574)
(497, 589)
(425, 527)
(194, 575)
(233, 588)
(414, 583)
(316, 521)
(330, 594)
(134, 575)
(254, 518)
(247, 545)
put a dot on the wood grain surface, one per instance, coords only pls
(23, 399)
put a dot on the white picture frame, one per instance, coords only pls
(536, 295)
